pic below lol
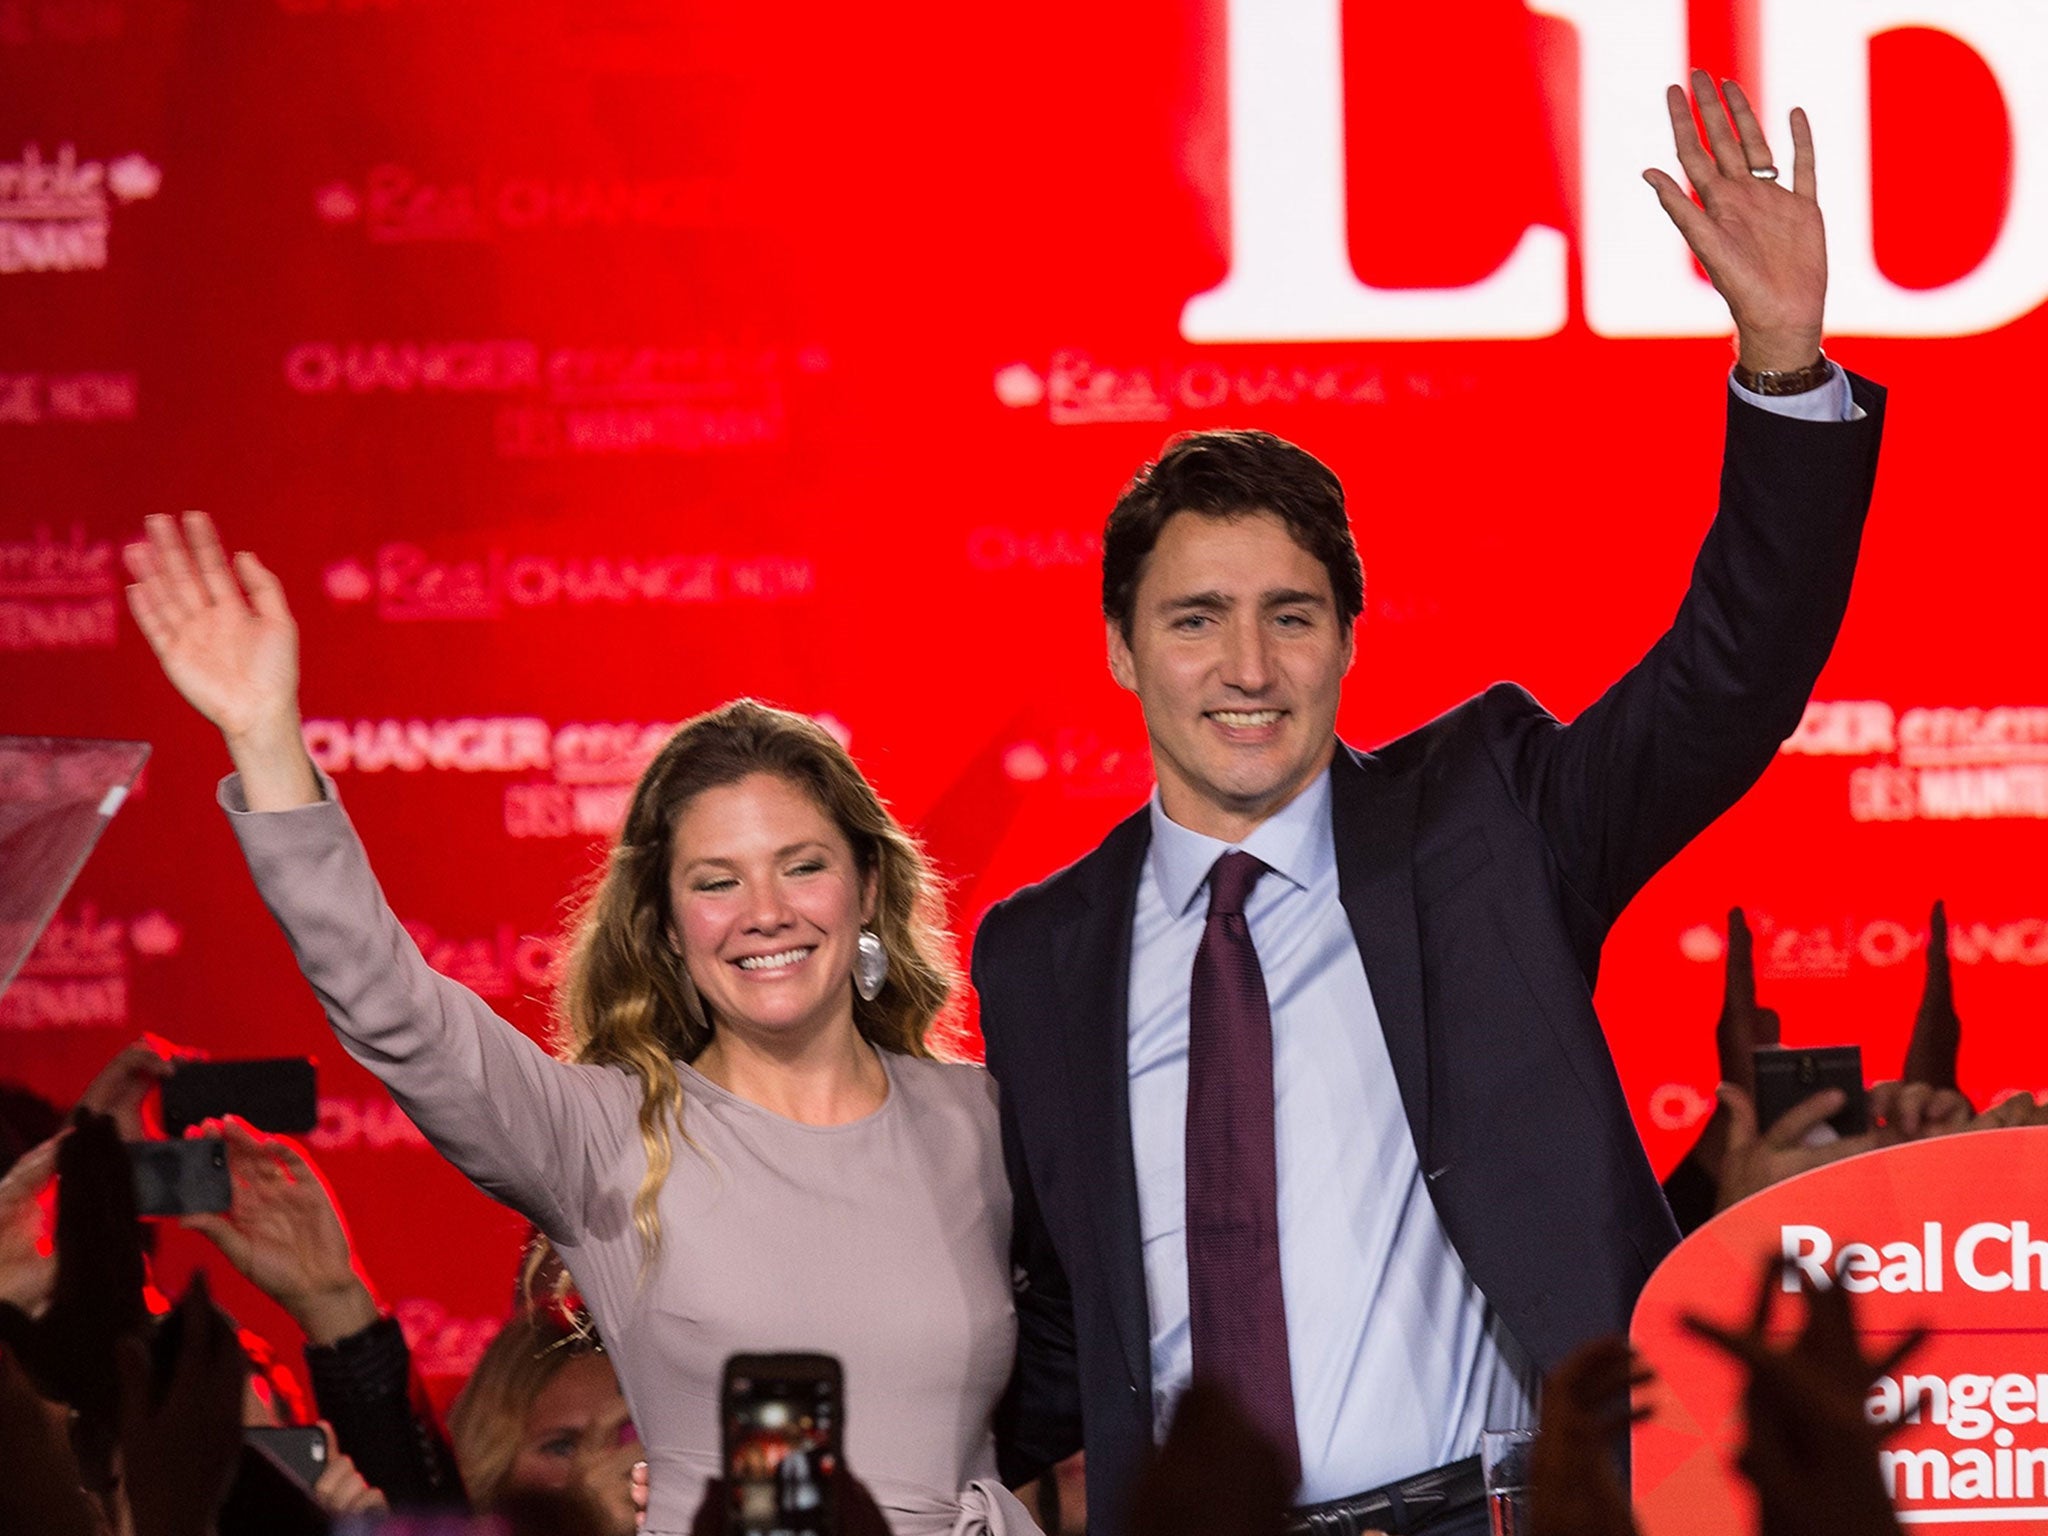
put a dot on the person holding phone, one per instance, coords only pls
(751, 1142)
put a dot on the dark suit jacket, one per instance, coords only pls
(1482, 860)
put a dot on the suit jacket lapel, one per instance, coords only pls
(1092, 950)
(1372, 814)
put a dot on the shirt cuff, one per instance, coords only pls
(1831, 402)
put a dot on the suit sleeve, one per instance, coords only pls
(1038, 1420)
(1688, 729)
(530, 1131)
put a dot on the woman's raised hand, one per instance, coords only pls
(226, 640)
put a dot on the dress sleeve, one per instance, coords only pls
(535, 1133)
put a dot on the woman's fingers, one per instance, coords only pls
(181, 589)
(208, 560)
(266, 592)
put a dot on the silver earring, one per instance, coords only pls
(870, 965)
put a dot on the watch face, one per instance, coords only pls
(1793, 382)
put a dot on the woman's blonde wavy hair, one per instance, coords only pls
(625, 998)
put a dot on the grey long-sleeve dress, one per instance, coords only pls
(884, 1241)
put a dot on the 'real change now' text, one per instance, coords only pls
(1985, 1256)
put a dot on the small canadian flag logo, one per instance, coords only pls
(348, 581)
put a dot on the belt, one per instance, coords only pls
(1398, 1507)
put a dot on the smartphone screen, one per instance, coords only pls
(782, 1427)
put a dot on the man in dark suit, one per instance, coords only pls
(1302, 1086)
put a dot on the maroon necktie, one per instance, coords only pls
(1237, 1318)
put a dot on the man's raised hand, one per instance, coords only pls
(1760, 239)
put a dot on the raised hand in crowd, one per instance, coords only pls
(1925, 1101)
(1697, 1187)
(1694, 1185)
(28, 1262)
(1808, 1446)
(1731, 1160)
(1574, 1477)
(285, 1234)
(1917, 1111)
(226, 640)
(1937, 1031)
(125, 1088)
(1754, 1161)
(181, 1428)
(96, 1294)
(1743, 1027)
(1932, 1053)
(2015, 1110)
(342, 1489)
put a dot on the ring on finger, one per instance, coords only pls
(1764, 172)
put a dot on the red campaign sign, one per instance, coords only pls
(1948, 1235)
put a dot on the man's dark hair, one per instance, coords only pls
(1231, 474)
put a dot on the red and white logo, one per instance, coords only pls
(394, 204)
(30, 399)
(1834, 946)
(1077, 389)
(408, 582)
(57, 591)
(55, 213)
(77, 975)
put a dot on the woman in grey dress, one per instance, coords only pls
(747, 1143)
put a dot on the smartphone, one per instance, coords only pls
(1785, 1078)
(301, 1449)
(264, 1497)
(271, 1093)
(180, 1178)
(784, 1419)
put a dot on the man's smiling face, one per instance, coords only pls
(1237, 655)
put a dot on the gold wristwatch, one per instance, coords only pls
(1797, 381)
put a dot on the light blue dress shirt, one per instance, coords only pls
(1398, 1362)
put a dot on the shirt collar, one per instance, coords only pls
(1295, 842)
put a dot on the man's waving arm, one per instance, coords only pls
(1690, 727)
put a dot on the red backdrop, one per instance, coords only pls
(579, 366)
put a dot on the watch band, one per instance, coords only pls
(1797, 381)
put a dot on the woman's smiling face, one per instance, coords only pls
(767, 902)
